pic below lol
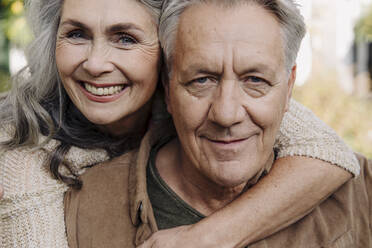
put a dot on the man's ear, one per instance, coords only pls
(291, 82)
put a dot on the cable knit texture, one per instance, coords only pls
(31, 211)
(303, 134)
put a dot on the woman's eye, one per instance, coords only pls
(76, 34)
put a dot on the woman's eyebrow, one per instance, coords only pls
(111, 29)
(123, 27)
(74, 23)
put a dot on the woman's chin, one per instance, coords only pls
(102, 120)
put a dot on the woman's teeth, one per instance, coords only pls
(103, 91)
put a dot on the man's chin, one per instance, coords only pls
(231, 175)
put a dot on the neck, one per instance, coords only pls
(188, 182)
(135, 123)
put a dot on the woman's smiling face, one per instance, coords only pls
(108, 56)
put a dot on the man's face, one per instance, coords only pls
(228, 90)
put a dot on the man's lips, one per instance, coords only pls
(226, 148)
(227, 144)
(227, 141)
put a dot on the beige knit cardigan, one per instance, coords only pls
(31, 211)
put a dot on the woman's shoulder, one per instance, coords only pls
(5, 133)
(33, 199)
(24, 170)
(77, 159)
(17, 160)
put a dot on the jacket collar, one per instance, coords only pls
(141, 212)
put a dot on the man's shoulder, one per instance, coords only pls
(348, 211)
(362, 185)
(105, 188)
(357, 189)
(97, 213)
(364, 162)
(109, 171)
(341, 220)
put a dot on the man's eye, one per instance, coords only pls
(201, 80)
(125, 39)
(254, 79)
(256, 86)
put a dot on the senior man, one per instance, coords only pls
(229, 86)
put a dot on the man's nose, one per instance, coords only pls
(98, 60)
(227, 107)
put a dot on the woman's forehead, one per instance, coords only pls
(102, 12)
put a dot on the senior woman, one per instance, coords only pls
(87, 96)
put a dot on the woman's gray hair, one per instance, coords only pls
(38, 104)
(286, 12)
(39, 81)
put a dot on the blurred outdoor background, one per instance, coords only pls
(334, 65)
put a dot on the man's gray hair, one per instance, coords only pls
(286, 11)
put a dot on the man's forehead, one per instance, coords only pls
(212, 19)
(207, 60)
(208, 36)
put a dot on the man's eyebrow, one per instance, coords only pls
(259, 68)
(202, 68)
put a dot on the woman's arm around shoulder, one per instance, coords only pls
(313, 162)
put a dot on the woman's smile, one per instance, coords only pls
(103, 93)
(109, 62)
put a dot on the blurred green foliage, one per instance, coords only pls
(13, 32)
(4, 82)
(13, 24)
(349, 116)
(363, 27)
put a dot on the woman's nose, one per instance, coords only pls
(98, 60)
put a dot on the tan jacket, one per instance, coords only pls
(113, 210)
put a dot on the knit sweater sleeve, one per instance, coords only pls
(31, 211)
(303, 134)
